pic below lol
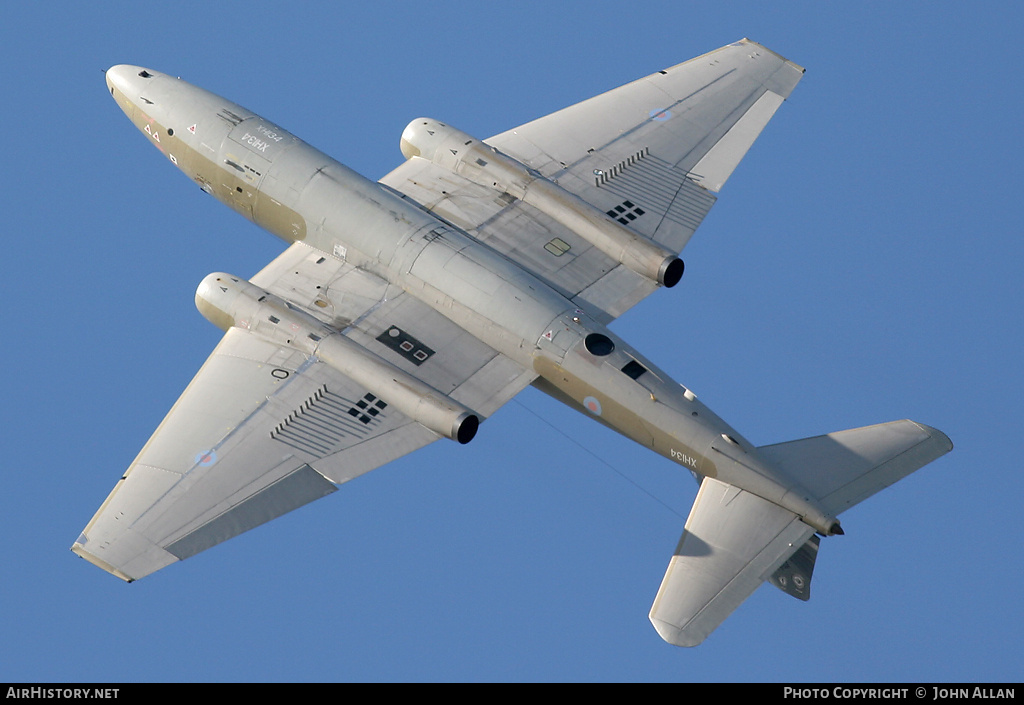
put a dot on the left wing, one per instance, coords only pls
(263, 429)
(649, 156)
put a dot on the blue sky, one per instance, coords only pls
(862, 265)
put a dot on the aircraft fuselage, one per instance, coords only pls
(298, 193)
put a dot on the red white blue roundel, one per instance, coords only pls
(592, 405)
(206, 458)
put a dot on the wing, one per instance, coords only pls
(263, 429)
(650, 155)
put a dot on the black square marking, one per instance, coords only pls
(405, 345)
(633, 369)
(625, 213)
(367, 408)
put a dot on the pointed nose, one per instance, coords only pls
(129, 80)
(117, 77)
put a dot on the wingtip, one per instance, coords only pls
(676, 636)
(78, 549)
(792, 64)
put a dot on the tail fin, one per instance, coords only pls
(794, 576)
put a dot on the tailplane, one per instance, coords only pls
(844, 468)
(735, 540)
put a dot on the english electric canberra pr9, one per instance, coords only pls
(411, 309)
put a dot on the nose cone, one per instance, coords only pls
(119, 76)
(129, 80)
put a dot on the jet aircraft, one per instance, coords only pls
(411, 309)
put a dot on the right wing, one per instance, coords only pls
(697, 119)
(263, 429)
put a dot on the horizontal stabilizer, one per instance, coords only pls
(844, 468)
(733, 541)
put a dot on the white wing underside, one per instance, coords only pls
(650, 154)
(262, 429)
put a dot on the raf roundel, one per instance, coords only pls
(206, 458)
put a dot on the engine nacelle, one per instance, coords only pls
(227, 301)
(482, 164)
